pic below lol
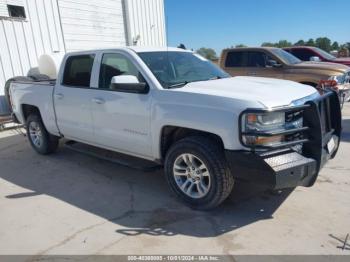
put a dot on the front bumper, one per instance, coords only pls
(284, 166)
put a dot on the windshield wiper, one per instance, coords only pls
(182, 84)
(215, 78)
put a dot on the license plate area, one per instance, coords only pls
(331, 145)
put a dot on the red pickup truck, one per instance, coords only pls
(308, 53)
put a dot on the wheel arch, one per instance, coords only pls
(28, 109)
(171, 134)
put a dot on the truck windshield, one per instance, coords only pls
(176, 69)
(324, 54)
(285, 56)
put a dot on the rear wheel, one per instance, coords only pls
(197, 172)
(41, 141)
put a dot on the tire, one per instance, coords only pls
(35, 128)
(214, 178)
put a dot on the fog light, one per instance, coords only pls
(262, 141)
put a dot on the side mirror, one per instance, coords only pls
(273, 63)
(128, 84)
(315, 59)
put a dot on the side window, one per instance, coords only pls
(116, 65)
(77, 72)
(235, 59)
(257, 59)
(303, 54)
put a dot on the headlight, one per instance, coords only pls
(258, 129)
(339, 79)
(262, 122)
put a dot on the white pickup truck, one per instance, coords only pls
(174, 107)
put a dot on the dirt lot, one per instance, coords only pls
(70, 203)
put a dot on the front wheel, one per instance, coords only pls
(41, 141)
(197, 172)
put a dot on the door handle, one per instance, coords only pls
(98, 101)
(252, 73)
(59, 96)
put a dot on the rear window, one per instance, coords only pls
(234, 59)
(77, 72)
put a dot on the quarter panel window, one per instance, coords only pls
(116, 65)
(77, 72)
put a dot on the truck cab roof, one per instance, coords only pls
(136, 49)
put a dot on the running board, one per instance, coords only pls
(116, 158)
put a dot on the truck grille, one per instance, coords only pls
(315, 122)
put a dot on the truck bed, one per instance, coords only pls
(38, 94)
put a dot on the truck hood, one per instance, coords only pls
(269, 92)
(322, 66)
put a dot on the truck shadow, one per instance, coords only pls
(136, 202)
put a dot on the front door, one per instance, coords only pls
(261, 64)
(121, 120)
(72, 99)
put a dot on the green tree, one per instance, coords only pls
(324, 43)
(283, 43)
(240, 45)
(347, 45)
(335, 46)
(311, 42)
(300, 43)
(208, 53)
(268, 44)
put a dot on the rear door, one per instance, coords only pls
(72, 98)
(121, 119)
(234, 63)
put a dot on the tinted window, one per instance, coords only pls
(116, 65)
(77, 71)
(247, 59)
(235, 59)
(303, 54)
(257, 59)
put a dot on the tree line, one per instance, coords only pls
(322, 42)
